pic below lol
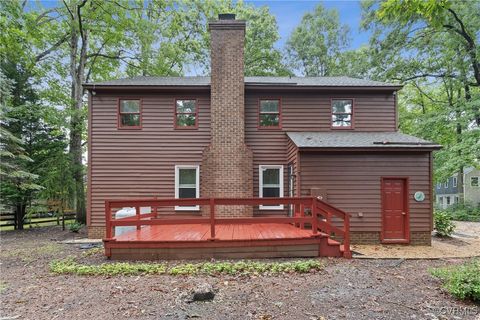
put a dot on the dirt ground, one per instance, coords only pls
(346, 289)
(465, 242)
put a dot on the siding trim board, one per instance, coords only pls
(89, 165)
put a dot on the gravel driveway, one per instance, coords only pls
(346, 289)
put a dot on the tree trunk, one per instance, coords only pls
(19, 215)
(77, 72)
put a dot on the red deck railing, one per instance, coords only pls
(319, 215)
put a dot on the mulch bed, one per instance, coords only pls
(346, 289)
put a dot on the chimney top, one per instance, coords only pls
(226, 21)
(226, 16)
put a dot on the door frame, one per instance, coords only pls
(407, 211)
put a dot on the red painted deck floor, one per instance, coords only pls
(225, 232)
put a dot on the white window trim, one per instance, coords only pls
(446, 184)
(197, 186)
(260, 185)
(471, 182)
(454, 182)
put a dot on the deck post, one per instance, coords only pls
(329, 222)
(108, 217)
(212, 218)
(302, 215)
(346, 237)
(314, 216)
(137, 213)
(155, 208)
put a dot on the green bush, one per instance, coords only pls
(464, 212)
(75, 226)
(462, 281)
(70, 266)
(443, 223)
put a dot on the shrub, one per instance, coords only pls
(464, 212)
(462, 281)
(75, 226)
(443, 223)
(70, 266)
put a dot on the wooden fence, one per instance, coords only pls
(8, 219)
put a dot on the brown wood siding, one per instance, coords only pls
(307, 111)
(352, 181)
(312, 111)
(141, 163)
(269, 147)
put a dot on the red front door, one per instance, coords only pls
(394, 210)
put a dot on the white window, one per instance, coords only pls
(446, 184)
(439, 186)
(271, 184)
(448, 200)
(187, 185)
(454, 181)
(456, 199)
(474, 181)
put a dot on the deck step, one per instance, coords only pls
(333, 242)
(329, 248)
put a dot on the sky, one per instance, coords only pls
(290, 13)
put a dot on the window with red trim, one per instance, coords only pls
(342, 113)
(130, 114)
(269, 113)
(186, 113)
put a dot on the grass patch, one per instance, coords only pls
(462, 281)
(3, 287)
(70, 266)
(93, 252)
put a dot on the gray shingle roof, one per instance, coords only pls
(342, 139)
(271, 81)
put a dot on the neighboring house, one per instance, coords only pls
(450, 192)
(255, 137)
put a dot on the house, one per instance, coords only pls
(281, 150)
(450, 192)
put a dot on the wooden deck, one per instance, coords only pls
(224, 232)
(154, 237)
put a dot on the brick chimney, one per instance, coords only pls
(227, 165)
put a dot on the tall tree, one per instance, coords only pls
(262, 58)
(17, 184)
(432, 47)
(315, 45)
(95, 48)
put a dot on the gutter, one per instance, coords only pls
(248, 85)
